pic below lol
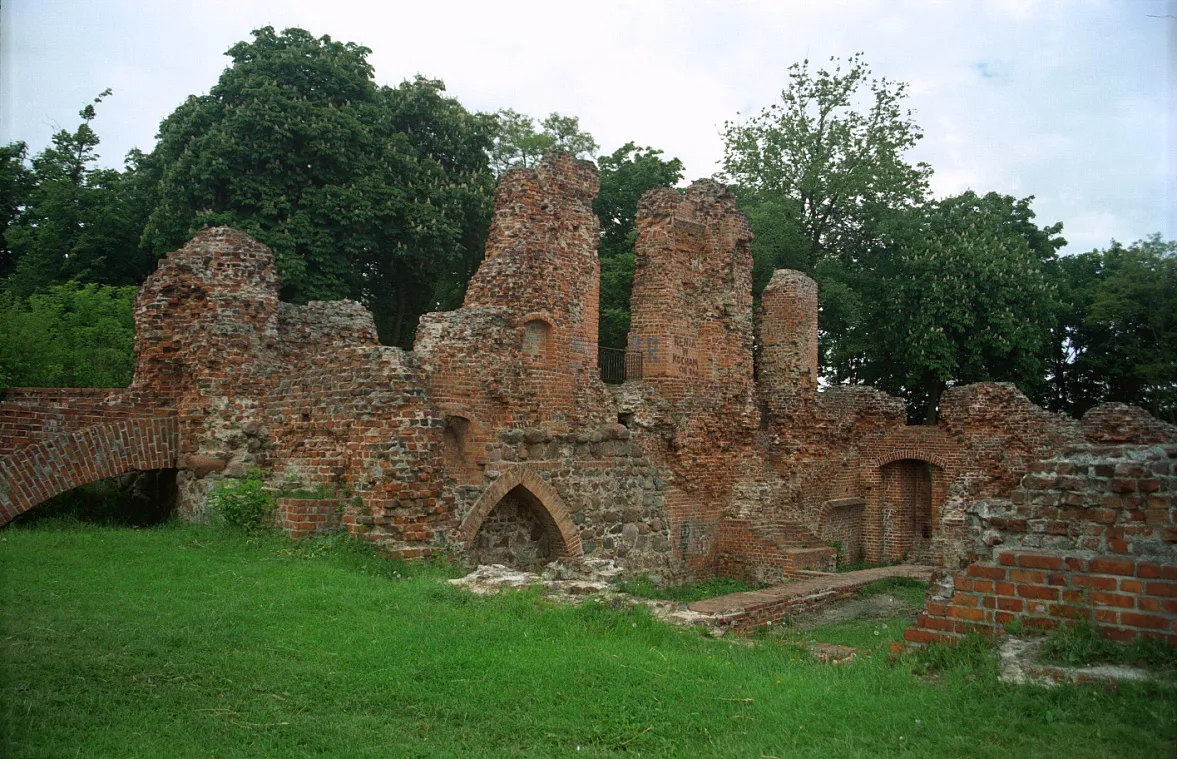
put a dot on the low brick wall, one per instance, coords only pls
(1089, 535)
(744, 612)
(300, 517)
(1125, 596)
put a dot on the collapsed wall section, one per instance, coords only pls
(1090, 534)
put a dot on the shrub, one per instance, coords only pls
(245, 504)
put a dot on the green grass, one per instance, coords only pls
(186, 641)
(1081, 644)
(689, 593)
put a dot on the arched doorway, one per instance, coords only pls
(909, 510)
(518, 532)
(520, 521)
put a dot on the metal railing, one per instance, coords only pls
(617, 365)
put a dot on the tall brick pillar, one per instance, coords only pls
(787, 335)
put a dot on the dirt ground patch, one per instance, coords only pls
(881, 606)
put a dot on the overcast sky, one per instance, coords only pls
(1072, 101)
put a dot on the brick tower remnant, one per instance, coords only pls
(523, 347)
(787, 336)
(691, 308)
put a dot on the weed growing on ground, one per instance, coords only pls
(246, 503)
(1081, 644)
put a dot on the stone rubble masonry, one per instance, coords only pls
(725, 458)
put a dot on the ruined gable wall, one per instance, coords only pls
(523, 347)
(304, 391)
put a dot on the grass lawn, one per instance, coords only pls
(187, 641)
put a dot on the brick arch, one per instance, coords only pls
(557, 515)
(42, 470)
(917, 454)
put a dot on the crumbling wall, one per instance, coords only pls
(1090, 533)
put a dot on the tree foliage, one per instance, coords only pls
(373, 193)
(66, 219)
(830, 157)
(1118, 333)
(961, 293)
(517, 142)
(626, 174)
(70, 335)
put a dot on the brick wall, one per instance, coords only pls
(1090, 533)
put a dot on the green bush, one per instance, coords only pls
(245, 504)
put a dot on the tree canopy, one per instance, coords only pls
(517, 142)
(373, 193)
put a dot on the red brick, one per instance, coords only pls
(987, 572)
(1038, 591)
(1148, 571)
(1113, 567)
(1151, 621)
(970, 615)
(1095, 582)
(1167, 589)
(1113, 599)
(1039, 561)
(1107, 616)
(1006, 589)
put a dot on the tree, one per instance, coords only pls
(73, 221)
(627, 174)
(1118, 334)
(518, 144)
(14, 190)
(960, 293)
(373, 193)
(70, 335)
(821, 175)
(829, 166)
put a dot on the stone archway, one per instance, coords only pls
(40, 471)
(527, 502)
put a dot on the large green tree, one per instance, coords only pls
(626, 174)
(821, 175)
(67, 219)
(960, 292)
(374, 193)
(1117, 339)
(830, 158)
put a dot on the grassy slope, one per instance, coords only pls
(184, 641)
